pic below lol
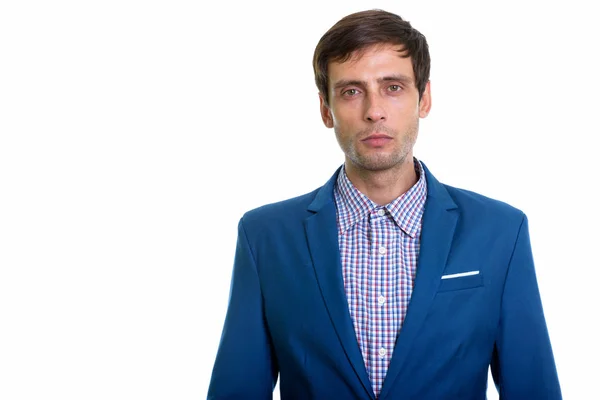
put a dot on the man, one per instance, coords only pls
(384, 283)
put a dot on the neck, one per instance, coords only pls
(383, 186)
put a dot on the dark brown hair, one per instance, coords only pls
(360, 30)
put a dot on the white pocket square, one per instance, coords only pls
(460, 275)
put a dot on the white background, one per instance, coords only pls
(134, 134)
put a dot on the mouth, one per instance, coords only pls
(377, 140)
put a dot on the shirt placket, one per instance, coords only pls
(380, 301)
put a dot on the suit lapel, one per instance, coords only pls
(439, 222)
(321, 232)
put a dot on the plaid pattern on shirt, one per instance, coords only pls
(379, 249)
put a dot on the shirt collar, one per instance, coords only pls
(406, 210)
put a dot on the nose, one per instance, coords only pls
(374, 110)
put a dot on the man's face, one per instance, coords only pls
(374, 108)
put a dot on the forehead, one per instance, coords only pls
(372, 62)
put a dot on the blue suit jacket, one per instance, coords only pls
(288, 312)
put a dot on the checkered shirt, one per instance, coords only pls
(379, 249)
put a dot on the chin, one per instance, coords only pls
(379, 164)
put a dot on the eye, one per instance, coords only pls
(350, 92)
(394, 88)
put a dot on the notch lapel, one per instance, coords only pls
(321, 233)
(439, 223)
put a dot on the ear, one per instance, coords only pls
(325, 112)
(425, 103)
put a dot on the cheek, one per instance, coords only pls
(406, 114)
(342, 127)
(346, 116)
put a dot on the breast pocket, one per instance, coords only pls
(460, 281)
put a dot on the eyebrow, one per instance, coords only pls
(352, 82)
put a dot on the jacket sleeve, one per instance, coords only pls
(523, 364)
(245, 366)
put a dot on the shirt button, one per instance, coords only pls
(381, 300)
(382, 352)
(382, 250)
(381, 212)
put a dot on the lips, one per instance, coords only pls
(377, 140)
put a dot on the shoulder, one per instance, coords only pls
(276, 217)
(290, 207)
(471, 204)
(479, 210)
(471, 200)
(291, 212)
